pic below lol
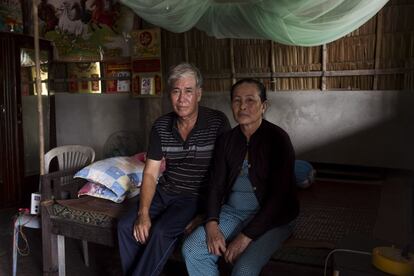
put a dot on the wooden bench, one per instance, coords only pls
(88, 218)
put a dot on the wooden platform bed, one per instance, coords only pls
(330, 211)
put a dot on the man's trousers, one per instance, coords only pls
(170, 214)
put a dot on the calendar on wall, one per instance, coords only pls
(146, 62)
(118, 77)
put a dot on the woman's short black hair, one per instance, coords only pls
(260, 86)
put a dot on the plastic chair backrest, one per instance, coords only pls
(70, 156)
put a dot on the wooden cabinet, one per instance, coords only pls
(18, 119)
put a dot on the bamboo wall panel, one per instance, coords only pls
(353, 58)
(350, 83)
(252, 56)
(219, 85)
(296, 58)
(208, 53)
(286, 84)
(395, 50)
(353, 52)
(391, 82)
(212, 57)
(398, 41)
(173, 48)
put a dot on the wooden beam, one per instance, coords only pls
(311, 74)
(218, 76)
(324, 61)
(233, 68)
(261, 75)
(297, 74)
(367, 72)
(378, 42)
(273, 64)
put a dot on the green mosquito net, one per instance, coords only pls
(294, 22)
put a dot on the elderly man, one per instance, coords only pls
(185, 138)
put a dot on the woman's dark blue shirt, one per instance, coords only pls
(271, 160)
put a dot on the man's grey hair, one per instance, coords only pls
(182, 70)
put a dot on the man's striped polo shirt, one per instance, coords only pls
(187, 162)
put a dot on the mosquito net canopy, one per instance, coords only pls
(293, 22)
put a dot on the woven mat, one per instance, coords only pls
(329, 212)
(91, 210)
(81, 216)
(98, 205)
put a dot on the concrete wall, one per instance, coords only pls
(90, 119)
(30, 122)
(371, 128)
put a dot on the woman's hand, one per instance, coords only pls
(236, 248)
(142, 227)
(216, 243)
(194, 223)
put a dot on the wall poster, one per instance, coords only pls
(11, 18)
(86, 30)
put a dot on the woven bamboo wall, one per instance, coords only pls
(377, 56)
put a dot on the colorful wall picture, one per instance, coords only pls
(86, 30)
(11, 19)
(146, 43)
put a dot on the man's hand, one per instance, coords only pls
(142, 224)
(142, 227)
(236, 248)
(216, 242)
(194, 223)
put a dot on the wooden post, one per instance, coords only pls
(186, 55)
(233, 70)
(273, 64)
(324, 61)
(408, 76)
(49, 242)
(61, 255)
(39, 89)
(378, 41)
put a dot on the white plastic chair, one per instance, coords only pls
(69, 156)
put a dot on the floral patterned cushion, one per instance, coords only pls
(112, 178)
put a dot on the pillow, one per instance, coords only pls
(304, 173)
(142, 156)
(98, 190)
(118, 174)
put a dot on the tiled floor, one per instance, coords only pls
(104, 263)
(103, 260)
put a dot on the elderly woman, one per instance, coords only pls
(252, 200)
